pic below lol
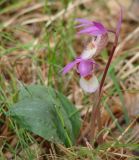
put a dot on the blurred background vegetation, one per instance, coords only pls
(37, 39)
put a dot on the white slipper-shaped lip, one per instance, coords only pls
(89, 85)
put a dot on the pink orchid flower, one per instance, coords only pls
(86, 70)
(84, 64)
(99, 36)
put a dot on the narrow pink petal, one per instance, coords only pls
(90, 27)
(90, 30)
(82, 20)
(100, 26)
(69, 66)
(81, 25)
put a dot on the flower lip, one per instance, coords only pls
(85, 68)
(89, 85)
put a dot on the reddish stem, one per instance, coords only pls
(112, 51)
(108, 64)
(96, 114)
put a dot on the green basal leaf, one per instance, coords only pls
(48, 114)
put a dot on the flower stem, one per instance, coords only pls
(96, 114)
(108, 65)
